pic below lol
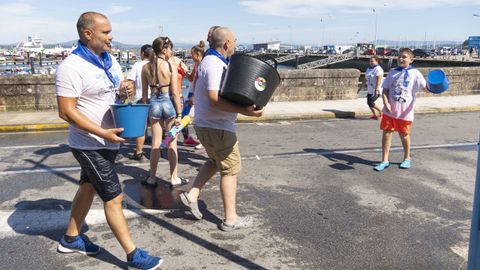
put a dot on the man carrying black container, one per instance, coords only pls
(215, 127)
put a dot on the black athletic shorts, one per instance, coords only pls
(98, 169)
(371, 98)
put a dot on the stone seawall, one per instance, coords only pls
(37, 92)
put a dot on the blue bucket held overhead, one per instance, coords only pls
(131, 117)
(437, 81)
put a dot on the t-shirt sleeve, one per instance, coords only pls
(132, 74)
(387, 83)
(420, 83)
(379, 72)
(214, 76)
(68, 82)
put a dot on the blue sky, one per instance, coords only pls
(299, 21)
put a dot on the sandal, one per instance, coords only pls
(183, 181)
(192, 206)
(148, 184)
(242, 222)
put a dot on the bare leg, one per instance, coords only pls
(386, 144)
(139, 147)
(155, 154)
(173, 155)
(405, 138)
(118, 224)
(207, 171)
(228, 187)
(373, 111)
(80, 207)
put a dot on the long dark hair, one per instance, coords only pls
(158, 45)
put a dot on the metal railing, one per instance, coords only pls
(327, 61)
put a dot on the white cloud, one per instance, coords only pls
(16, 9)
(303, 8)
(116, 9)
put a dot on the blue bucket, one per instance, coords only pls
(437, 81)
(131, 117)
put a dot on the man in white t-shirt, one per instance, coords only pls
(215, 127)
(135, 75)
(87, 83)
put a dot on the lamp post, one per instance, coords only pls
(376, 23)
(473, 250)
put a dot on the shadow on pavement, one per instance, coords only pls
(341, 114)
(342, 161)
(29, 218)
(140, 197)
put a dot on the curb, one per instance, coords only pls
(343, 114)
(246, 119)
(32, 127)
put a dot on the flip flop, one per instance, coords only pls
(183, 181)
(146, 183)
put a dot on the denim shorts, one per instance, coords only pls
(161, 107)
(98, 169)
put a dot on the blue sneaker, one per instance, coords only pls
(141, 260)
(382, 166)
(81, 245)
(406, 164)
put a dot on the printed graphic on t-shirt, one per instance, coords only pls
(400, 93)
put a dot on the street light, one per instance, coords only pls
(376, 24)
(376, 21)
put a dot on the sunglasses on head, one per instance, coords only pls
(167, 43)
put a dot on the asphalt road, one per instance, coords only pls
(317, 202)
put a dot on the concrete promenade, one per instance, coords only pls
(275, 111)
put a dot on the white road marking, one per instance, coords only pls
(31, 146)
(34, 221)
(257, 157)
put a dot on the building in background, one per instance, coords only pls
(267, 46)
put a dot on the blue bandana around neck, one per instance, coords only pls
(104, 61)
(405, 75)
(217, 54)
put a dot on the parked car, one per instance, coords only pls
(347, 51)
(423, 53)
(392, 52)
(369, 52)
(382, 51)
(331, 51)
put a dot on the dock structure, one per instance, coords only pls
(328, 61)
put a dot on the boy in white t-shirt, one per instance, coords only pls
(399, 90)
(135, 75)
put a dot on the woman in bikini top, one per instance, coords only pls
(162, 79)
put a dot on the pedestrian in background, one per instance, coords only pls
(197, 53)
(135, 75)
(374, 78)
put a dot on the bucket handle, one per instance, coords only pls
(271, 61)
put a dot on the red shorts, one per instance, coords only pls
(392, 124)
